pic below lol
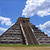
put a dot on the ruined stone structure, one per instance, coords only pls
(24, 32)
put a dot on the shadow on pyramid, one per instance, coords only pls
(23, 32)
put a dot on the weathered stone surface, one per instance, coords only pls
(13, 35)
(23, 32)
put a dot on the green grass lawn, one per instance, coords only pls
(15, 45)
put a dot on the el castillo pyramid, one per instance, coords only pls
(24, 32)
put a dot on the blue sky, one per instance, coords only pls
(10, 10)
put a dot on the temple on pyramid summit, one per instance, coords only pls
(24, 32)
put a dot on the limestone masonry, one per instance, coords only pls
(24, 32)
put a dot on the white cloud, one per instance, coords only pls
(6, 21)
(2, 30)
(45, 27)
(39, 7)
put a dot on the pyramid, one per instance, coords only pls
(24, 32)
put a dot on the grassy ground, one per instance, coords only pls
(23, 47)
(15, 45)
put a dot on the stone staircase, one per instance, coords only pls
(27, 34)
(41, 36)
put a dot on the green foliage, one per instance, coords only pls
(15, 45)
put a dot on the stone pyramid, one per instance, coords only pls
(24, 32)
